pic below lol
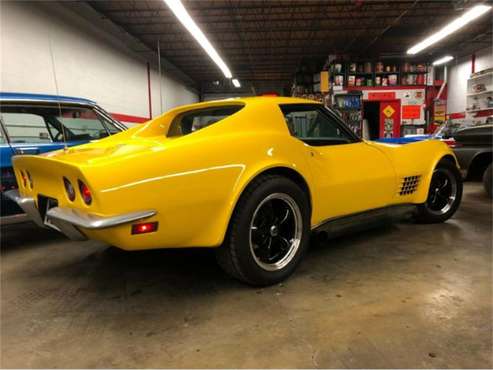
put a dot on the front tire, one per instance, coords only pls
(444, 195)
(268, 232)
(487, 181)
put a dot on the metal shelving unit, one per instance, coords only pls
(479, 105)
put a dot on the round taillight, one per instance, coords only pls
(85, 192)
(69, 189)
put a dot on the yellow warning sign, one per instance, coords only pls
(388, 111)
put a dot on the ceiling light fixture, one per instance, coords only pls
(453, 26)
(182, 14)
(236, 83)
(443, 60)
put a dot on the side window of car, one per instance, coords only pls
(25, 128)
(84, 124)
(2, 138)
(191, 121)
(312, 125)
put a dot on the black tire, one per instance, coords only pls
(431, 211)
(240, 257)
(487, 181)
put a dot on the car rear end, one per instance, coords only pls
(56, 194)
(30, 124)
(41, 188)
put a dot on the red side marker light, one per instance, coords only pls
(30, 179)
(85, 192)
(148, 227)
(24, 179)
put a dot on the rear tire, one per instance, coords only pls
(444, 195)
(487, 181)
(268, 232)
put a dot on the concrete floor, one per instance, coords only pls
(397, 297)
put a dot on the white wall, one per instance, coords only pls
(89, 62)
(173, 93)
(458, 73)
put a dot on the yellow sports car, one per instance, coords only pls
(250, 177)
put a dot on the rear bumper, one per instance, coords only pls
(28, 206)
(69, 221)
(7, 206)
(14, 219)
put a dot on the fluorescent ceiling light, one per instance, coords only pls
(443, 60)
(236, 83)
(453, 26)
(181, 13)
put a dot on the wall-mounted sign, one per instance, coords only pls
(388, 111)
(411, 111)
(386, 95)
(440, 109)
(324, 81)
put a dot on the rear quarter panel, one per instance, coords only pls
(194, 187)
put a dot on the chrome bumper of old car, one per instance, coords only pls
(14, 219)
(69, 220)
(27, 204)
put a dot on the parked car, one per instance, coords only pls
(474, 150)
(35, 124)
(443, 132)
(251, 177)
(405, 139)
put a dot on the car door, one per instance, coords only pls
(350, 175)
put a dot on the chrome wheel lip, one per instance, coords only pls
(296, 240)
(450, 198)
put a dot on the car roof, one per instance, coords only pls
(12, 96)
(252, 101)
(273, 99)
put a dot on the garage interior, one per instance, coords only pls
(402, 295)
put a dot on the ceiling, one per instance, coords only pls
(264, 42)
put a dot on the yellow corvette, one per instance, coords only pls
(250, 177)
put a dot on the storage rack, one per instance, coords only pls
(350, 107)
(377, 74)
(479, 106)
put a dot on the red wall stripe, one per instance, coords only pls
(128, 118)
(457, 115)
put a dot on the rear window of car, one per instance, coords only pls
(191, 121)
(26, 128)
(53, 123)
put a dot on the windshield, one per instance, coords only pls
(50, 123)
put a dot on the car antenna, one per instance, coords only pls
(160, 78)
(58, 95)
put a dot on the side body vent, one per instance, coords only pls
(409, 185)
